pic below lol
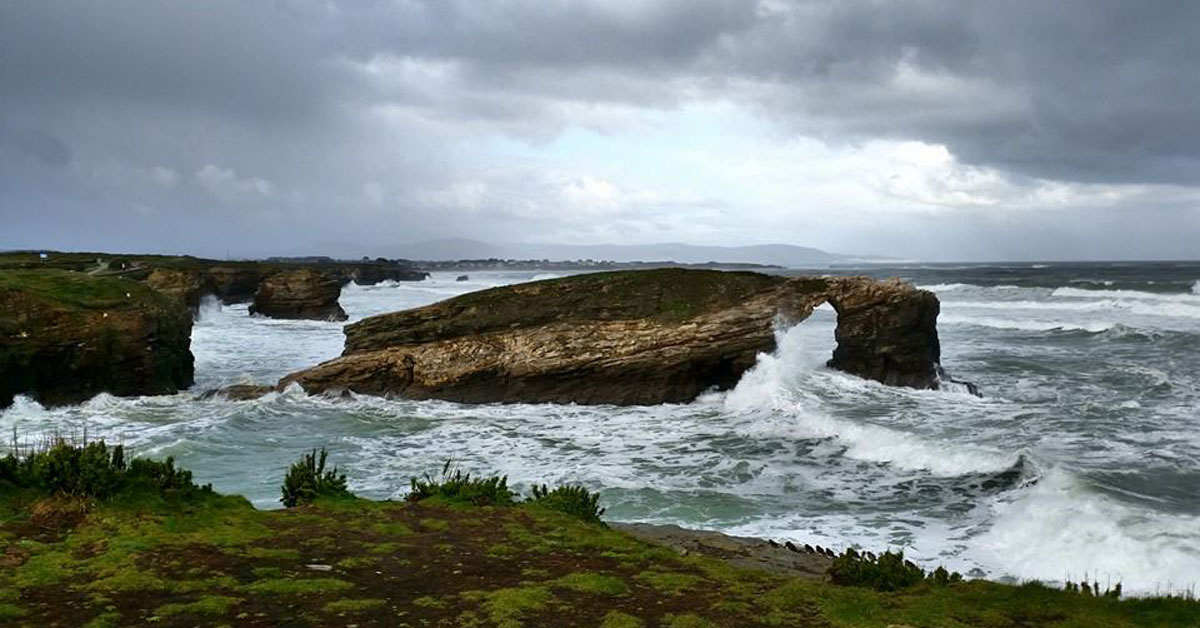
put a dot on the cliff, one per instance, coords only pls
(66, 336)
(632, 337)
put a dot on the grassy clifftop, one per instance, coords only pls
(80, 291)
(161, 552)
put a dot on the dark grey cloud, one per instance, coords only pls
(180, 123)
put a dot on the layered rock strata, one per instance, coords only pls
(299, 294)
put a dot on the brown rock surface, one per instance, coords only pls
(299, 294)
(187, 287)
(631, 337)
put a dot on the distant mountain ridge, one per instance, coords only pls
(786, 255)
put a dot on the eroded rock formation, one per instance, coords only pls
(633, 337)
(301, 294)
(66, 336)
(236, 283)
(185, 286)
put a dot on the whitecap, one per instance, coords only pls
(1026, 324)
(1063, 529)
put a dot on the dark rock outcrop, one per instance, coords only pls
(299, 294)
(633, 337)
(67, 336)
(371, 274)
(236, 283)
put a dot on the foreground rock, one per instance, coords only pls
(67, 336)
(299, 294)
(633, 337)
(750, 553)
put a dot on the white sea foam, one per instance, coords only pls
(1061, 528)
(1084, 293)
(1026, 324)
(1161, 308)
(951, 287)
(770, 391)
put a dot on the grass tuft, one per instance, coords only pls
(307, 479)
(576, 501)
(456, 486)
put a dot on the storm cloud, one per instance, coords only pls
(931, 129)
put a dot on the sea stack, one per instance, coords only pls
(299, 294)
(627, 338)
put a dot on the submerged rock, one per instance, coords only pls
(238, 392)
(67, 336)
(631, 337)
(300, 294)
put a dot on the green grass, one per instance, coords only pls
(208, 605)
(670, 583)
(298, 586)
(617, 619)
(593, 583)
(353, 606)
(83, 292)
(207, 559)
(505, 607)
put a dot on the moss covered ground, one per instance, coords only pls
(212, 560)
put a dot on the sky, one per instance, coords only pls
(934, 130)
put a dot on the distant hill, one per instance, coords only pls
(786, 255)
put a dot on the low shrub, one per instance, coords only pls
(92, 470)
(884, 572)
(1093, 589)
(307, 479)
(572, 500)
(454, 485)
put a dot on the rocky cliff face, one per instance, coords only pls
(304, 294)
(186, 287)
(634, 337)
(236, 284)
(66, 336)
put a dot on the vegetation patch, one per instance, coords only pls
(456, 486)
(576, 501)
(888, 571)
(307, 480)
(298, 586)
(617, 619)
(140, 558)
(353, 606)
(209, 605)
(669, 582)
(93, 470)
(593, 583)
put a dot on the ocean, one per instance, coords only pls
(1082, 458)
